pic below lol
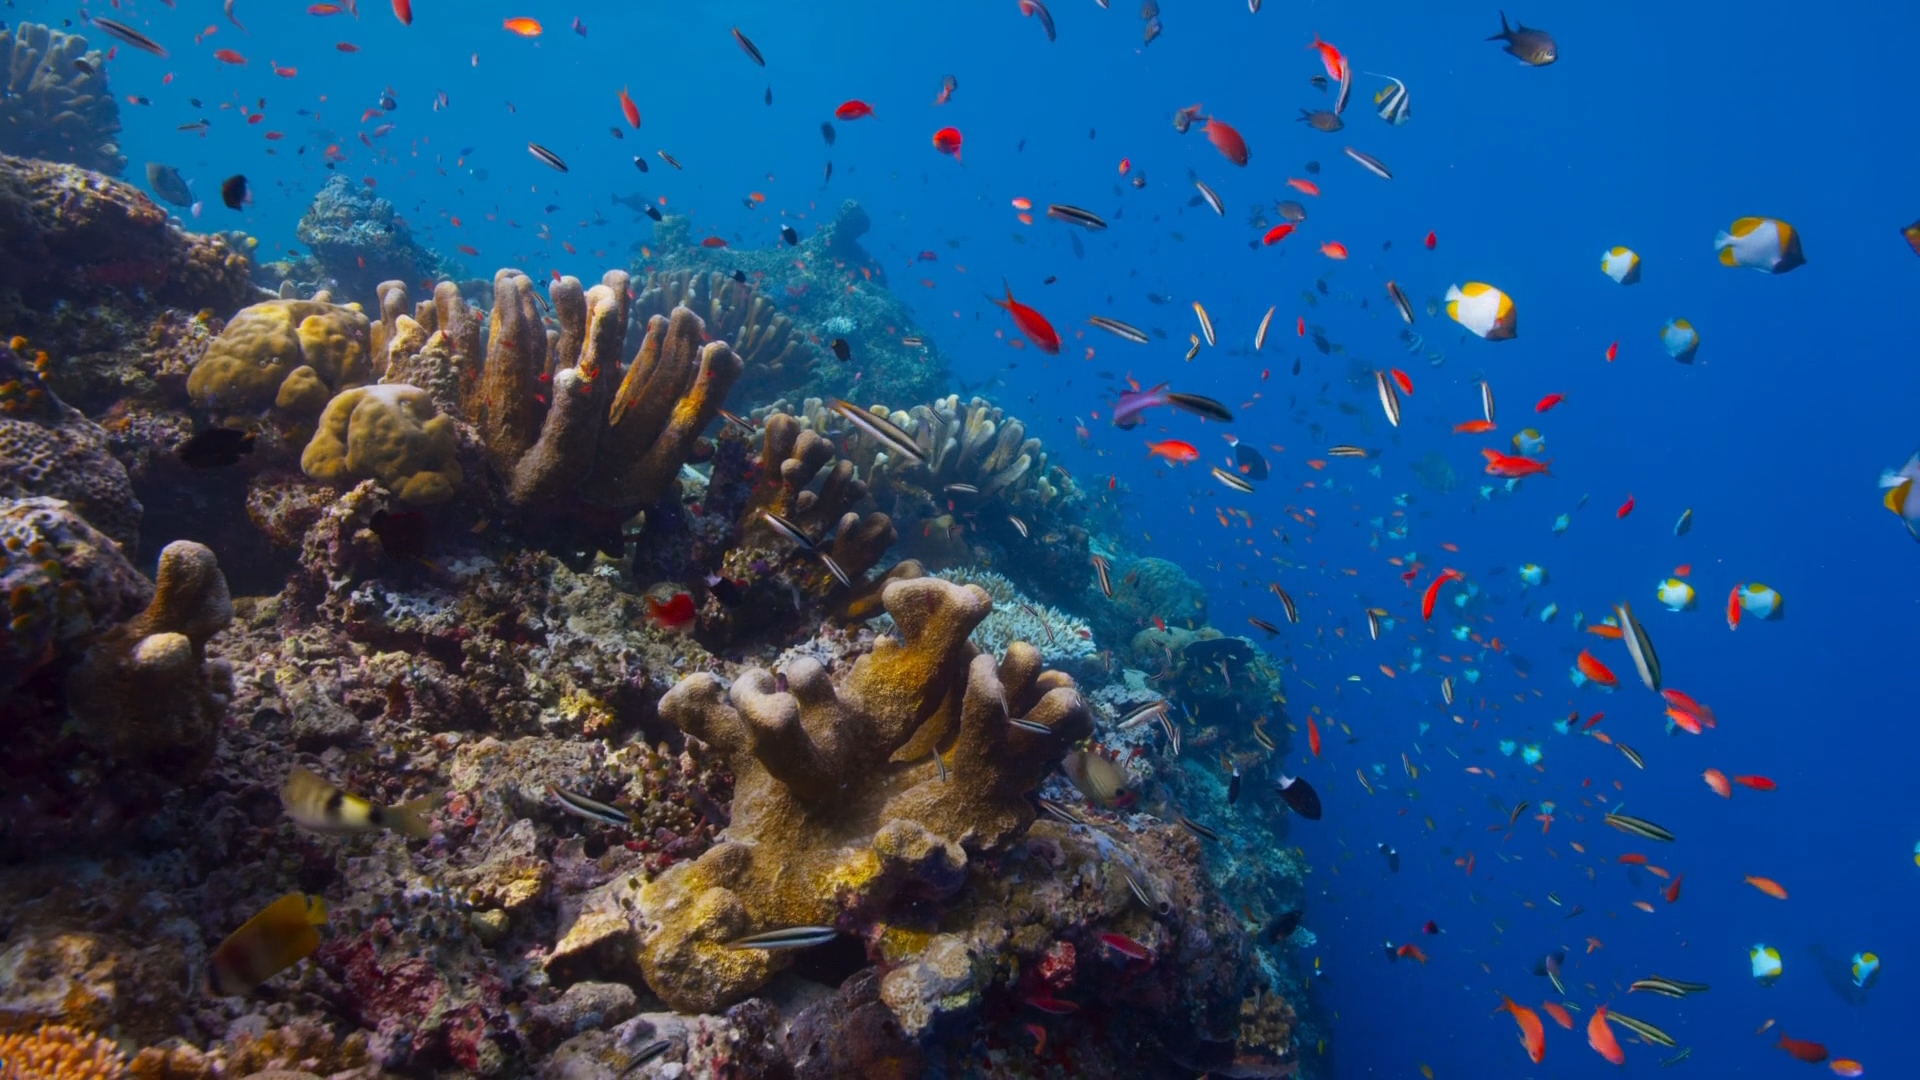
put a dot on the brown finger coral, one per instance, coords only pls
(775, 353)
(850, 795)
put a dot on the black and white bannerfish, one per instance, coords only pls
(1119, 329)
(895, 438)
(1393, 103)
(1260, 335)
(1293, 613)
(1104, 573)
(1232, 480)
(1253, 465)
(793, 937)
(788, 529)
(1639, 646)
(1298, 795)
(1486, 400)
(1206, 322)
(547, 157)
(1370, 163)
(1400, 303)
(1073, 215)
(590, 809)
(1212, 197)
(318, 806)
(1389, 397)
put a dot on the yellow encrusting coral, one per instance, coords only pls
(289, 354)
(391, 433)
(839, 802)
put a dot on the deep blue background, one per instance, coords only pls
(1660, 125)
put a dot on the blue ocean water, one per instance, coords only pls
(1659, 125)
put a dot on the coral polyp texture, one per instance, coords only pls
(58, 1052)
(289, 355)
(840, 805)
(55, 104)
(391, 433)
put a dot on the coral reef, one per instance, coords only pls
(56, 1050)
(69, 234)
(391, 433)
(61, 582)
(1015, 618)
(357, 240)
(843, 798)
(55, 104)
(48, 448)
(291, 355)
(774, 352)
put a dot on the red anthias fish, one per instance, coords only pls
(1031, 323)
(1226, 140)
(1513, 465)
(676, 614)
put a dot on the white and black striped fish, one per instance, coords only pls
(1073, 215)
(547, 157)
(1389, 397)
(1260, 335)
(1212, 197)
(1400, 303)
(1393, 103)
(1370, 163)
(1119, 329)
(1206, 322)
(882, 429)
(1103, 572)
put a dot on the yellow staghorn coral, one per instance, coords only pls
(290, 355)
(58, 1052)
(840, 805)
(391, 433)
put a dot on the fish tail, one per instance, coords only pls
(413, 818)
(1505, 31)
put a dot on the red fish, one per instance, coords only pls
(1174, 450)
(403, 10)
(1632, 858)
(1331, 59)
(1681, 700)
(1313, 736)
(676, 614)
(1548, 402)
(1410, 951)
(228, 56)
(713, 242)
(1533, 1034)
(1431, 927)
(1757, 783)
(1126, 946)
(1625, 508)
(1300, 327)
(1513, 465)
(1432, 241)
(1595, 670)
(1278, 233)
(1600, 1037)
(628, 108)
(1226, 140)
(467, 249)
(853, 110)
(1033, 324)
(1403, 380)
(1559, 1013)
(1474, 427)
(947, 141)
(1054, 1005)
(1810, 1052)
(1673, 890)
(347, 47)
(1684, 720)
(1304, 187)
(1334, 249)
(1433, 591)
(1733, 608)
(325, 9)
(1613, 352)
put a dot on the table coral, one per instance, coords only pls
(838, 804)
(391, 433)
(55, 104)
(145, 690)
(291, 355)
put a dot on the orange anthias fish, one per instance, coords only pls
(1336, 66)
(1600, 1037)
(1611, 633)
(228, 56)
(1313, 736)
(1548, 402)
(853, 110)
(1512, 465)
(1474, 427)
(523, 26)
(1226, 140)
(1433, 591)
(1595, 670)
(1533, 1034)
(1334, 249)
(1717, 780)
(1812, 1053)
(1278, 233)
(1304, 187)
(628, 108)
(1769, 886)
(1410, 951)
(1174, 450)
(947, 141)
(1035, 326)
(1757, 783)
(1559, 1013)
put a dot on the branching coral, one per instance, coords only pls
(839, 805)
(145, 691)
(1058, 635)
(55, 104)
(58, 1052)
(291, 355)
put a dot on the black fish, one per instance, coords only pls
(1252, 465)
(1283, 926)
(1313, 167)
(841, 350)
(724, 589)
(826, 131)
(1050, 279)
(1393, 857)
(790, 235)
(1532, 47)
(1233, 786)
(740, 276)
(1299, 795)
(769, 95)
(216, 448)
(233, 191)
(640, 163)
(402, 533)
(387, 101)
(653, 212)
(1296, 365)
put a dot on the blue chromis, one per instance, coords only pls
(1677, 595)
(1768, 245)
(1622, 265)
(283, 934)
(1898, 496)
(1681, 340)
(1866, 969)
(1533, 574)
(1761, 602)
(1766, 963)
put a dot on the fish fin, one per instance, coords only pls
(316, 910)
(412, 818)
(1897, 491)
(1505, 31)
(1727, 257)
